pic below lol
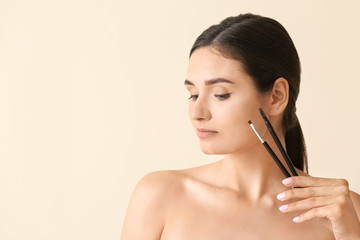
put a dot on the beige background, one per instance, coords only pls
(92, 98)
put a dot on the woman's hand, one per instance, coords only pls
(325, 198)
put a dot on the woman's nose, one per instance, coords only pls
(200, 110)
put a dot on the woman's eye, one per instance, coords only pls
(222, 96)
(193, 97)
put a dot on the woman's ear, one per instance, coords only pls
(279, 96)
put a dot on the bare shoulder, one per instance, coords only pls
(149, 203)
(165, 185)
(158, 180)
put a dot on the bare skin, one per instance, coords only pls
(236, 197)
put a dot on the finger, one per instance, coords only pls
(313, 202)
(320, 212)
(308, 181)
(308, 192)
(303, 193)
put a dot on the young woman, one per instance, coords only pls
(235, 67)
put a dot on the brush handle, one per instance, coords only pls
(276, 159)
(278, 143)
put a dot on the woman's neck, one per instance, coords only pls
(253, 173)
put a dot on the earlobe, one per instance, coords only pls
(279, 96)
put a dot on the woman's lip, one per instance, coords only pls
(203, 132)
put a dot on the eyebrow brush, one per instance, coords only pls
(278, 143)
(268, 148)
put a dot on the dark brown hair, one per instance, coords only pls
(265, 50)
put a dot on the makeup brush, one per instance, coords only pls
(278, 143)
(268, 148)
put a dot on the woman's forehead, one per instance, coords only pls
(208, 63)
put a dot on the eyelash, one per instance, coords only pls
(221, 97)
(193, 97)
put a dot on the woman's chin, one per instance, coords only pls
(223, 149)
(212, 150)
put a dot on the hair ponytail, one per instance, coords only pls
(295, 146)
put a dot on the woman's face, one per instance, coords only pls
(223, 100)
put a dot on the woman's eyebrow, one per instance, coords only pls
(211, 81)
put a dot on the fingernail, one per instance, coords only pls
(296, 219)
(283, 207)
(287, 181)
(281, 196)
